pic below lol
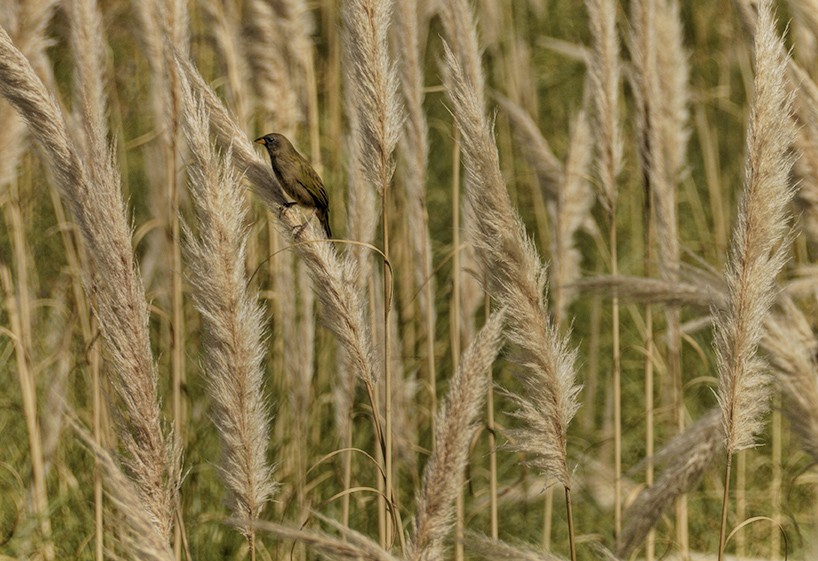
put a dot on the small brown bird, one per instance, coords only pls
(297, 177)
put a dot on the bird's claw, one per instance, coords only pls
(284, 207)
(298, 230)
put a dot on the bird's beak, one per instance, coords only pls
(260, 140)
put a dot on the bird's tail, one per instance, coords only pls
(323, 217)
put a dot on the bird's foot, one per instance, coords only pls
(285, 207)
(298, 230)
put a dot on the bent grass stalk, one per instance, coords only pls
(92, 192)
(516, 277)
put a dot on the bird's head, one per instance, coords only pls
(274, 143)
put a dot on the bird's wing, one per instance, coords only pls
(311, 181)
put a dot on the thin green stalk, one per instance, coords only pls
(387, 357)
(492, 430)
(454, 312)
(724, 501)
(775, 488)
(569, 513)
(617, 384)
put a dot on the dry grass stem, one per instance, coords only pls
(414, 146)
(461, 36)
(661, 80)
(569, 213)
(227, 37)
(604, 72)
(758, 250)
(269, 76)
(374, 93)
(374, 88)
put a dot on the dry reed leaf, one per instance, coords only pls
(497, 550)
(351, 544)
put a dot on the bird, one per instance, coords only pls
(297, 177)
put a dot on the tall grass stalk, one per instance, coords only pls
(758, 250)
(88, 46)
(454, 317)
(232, 320)
(93, 196)
(375, 98)
(165, 23)
(603, 68)
(275, 98)
(414, 145)
(516, 277)
(363, 221)
(644, 31)
(296, 27)
(660, 83)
